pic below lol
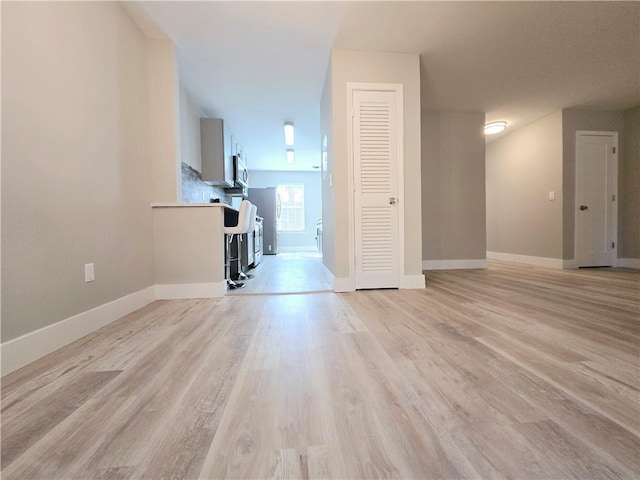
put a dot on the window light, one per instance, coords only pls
(290, 155)
(291, 218)
(494, 127)
(288, 134)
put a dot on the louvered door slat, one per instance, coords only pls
(375, 148)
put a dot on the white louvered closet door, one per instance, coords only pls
(375, 152)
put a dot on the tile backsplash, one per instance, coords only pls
(193, 188)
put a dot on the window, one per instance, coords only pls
(291, 217)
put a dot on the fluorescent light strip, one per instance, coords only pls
(288, 134)
(290, 156)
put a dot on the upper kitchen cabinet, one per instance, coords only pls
(217, 154)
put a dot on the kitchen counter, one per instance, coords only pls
(193, 205)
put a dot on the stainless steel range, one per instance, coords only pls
(258, 242)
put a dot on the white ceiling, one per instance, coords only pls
(259, 64)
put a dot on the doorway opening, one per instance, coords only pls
(290, 237)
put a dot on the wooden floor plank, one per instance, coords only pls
(566, 452)
(299, 272)
(509, 372)
(37, 421)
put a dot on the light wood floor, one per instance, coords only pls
(300, 272)
(516, 372)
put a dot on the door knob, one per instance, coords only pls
(583, 207)
(392, 200)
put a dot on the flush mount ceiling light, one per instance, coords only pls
(290, 155)
(494, 127)
(288, 134)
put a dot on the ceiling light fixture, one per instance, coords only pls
(288, 134)
(494, 127)
(290, 156)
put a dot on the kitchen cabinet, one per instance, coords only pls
(217, 152)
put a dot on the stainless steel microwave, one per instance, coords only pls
(240, 172)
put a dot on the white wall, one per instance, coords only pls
(76, 184)
(522, 168)
(164, 98)
(190, 114)
(328, 203)
(629, 185)
(453, 189)
(293, 241)
(375, 67)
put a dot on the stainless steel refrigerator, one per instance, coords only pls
(267, 201)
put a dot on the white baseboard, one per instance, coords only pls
(328, 275)
(413, 282)
(409, 282)
(308, 248)
(34, 345)
(528, 259)
(454, 264)
(28, 348)
(190, 290)
(629, 262)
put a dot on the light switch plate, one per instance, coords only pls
(89, 273)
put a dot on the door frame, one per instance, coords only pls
(576, 207)
(398, 89)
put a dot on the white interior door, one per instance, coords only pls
(376, 202)
(596, 195)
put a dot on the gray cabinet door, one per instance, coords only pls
(217, 158)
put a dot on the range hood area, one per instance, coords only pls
(237, 192)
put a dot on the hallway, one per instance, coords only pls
(300, 272)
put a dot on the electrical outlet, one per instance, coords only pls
(89, 272)
(552, 195)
